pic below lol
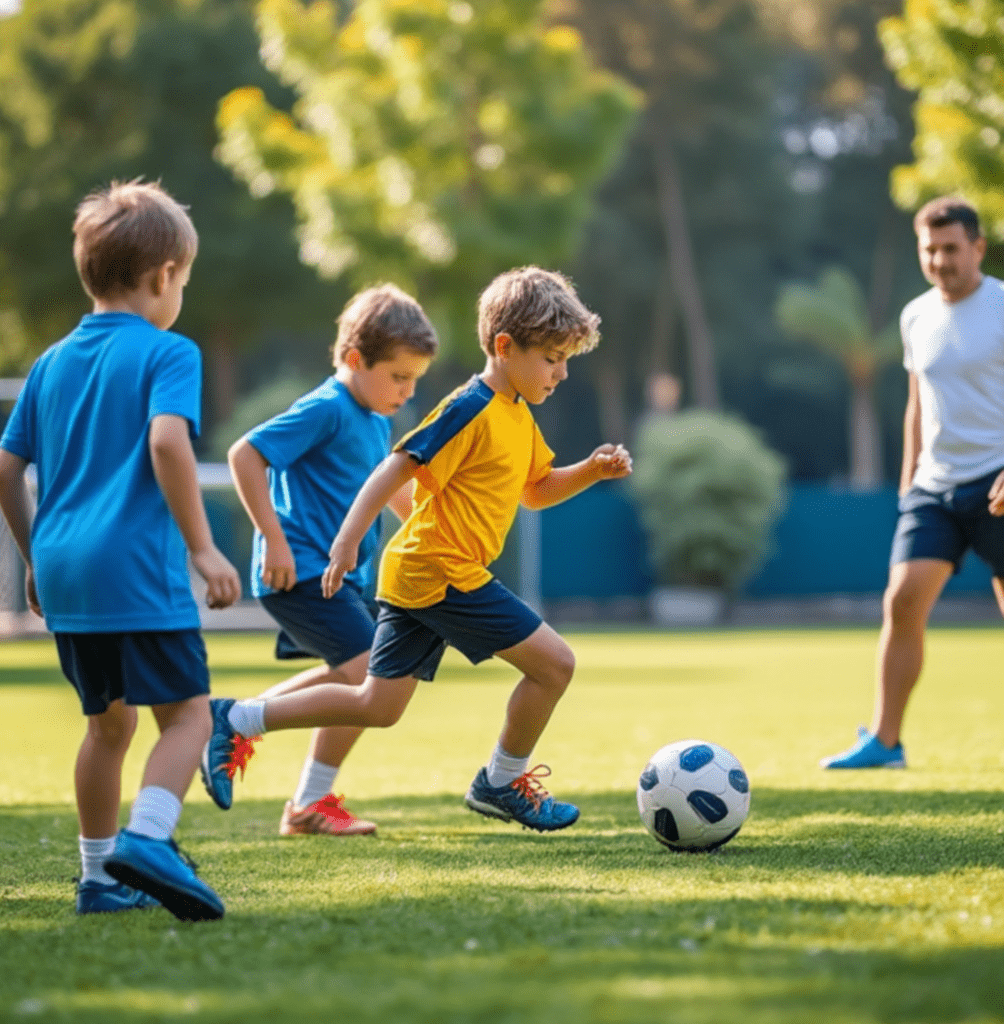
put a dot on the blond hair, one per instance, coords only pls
(379, 320)
(124, 230)
(535, 308)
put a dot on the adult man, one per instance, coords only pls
(951, 485)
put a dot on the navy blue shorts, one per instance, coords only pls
(411, 641)
(139, 668)
(946, 525)
(314, 626)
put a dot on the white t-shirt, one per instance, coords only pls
(956, 350)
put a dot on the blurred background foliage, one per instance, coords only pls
(693, 164)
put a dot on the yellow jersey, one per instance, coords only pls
(476, 451)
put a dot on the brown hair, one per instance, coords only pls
(939, 213)
(379, 320)
(126, 229)
(535, 308)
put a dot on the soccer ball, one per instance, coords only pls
(693, 795)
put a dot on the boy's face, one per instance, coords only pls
(387, 385)
(534, 372)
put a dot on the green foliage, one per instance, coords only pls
(432, 143)
(709, 491)
(872, 898)
(951, 52)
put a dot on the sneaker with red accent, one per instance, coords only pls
(326, 817)
(525, 800)
(226, 753)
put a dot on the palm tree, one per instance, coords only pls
(833, 316)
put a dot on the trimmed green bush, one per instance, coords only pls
(709, 491)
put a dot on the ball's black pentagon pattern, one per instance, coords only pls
(665, 825)
(649, 777)
(710, 807)
(738, 780)
(693, 759)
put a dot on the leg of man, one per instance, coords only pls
(913, 589)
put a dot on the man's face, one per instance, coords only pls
(949, 260)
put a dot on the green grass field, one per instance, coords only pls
(847, 897)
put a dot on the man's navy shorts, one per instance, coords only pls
(411, 641)
(945, 525)
(336, 629)
(140, 668)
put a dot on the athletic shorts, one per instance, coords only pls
(411, 641)
(946, 525)
(336, 628)
(145, 669)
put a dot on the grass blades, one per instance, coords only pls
(847, 897)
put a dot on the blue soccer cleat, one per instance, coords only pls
(524, 800)
(101, 898)
(158, 867)
(226, 753)
(868, 752)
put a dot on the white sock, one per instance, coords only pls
(93, 854)
(503, 768)
(247, 717)
(155, 813)
(316, 781)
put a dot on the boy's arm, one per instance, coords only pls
(401, 502)
(384, 482)
(608, 462)
(248, 467)
(16, 505)
(175, 469)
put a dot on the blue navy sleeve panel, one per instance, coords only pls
(310, 421)
(428, 439)
(176, 386)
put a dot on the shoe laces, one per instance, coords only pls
(184, 856)
(241, 752)
(529, 785)
(332, 806)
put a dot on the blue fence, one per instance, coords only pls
(828, 541)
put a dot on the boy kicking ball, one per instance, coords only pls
(106, 417)
(474, 459)
(297, 475)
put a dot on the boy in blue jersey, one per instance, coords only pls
(106, 416)
(474, 459)
(297, 474)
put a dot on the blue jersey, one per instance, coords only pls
(107, 554)
(321, 451)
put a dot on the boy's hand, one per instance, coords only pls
(279, 570)
(343, 560)
(997, 496)
(611, 462)
(30, 592)
(224, 585)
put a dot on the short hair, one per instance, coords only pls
(124, 230)
(535, 308)
(939, 213)
(378, 321)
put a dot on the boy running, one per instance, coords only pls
(474, 458)
(297, 475)
(107, 416)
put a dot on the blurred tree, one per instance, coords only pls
(833, 316)
(951, 52)
(433, 142)
(92, 90)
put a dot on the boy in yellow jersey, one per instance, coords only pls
(474, 459)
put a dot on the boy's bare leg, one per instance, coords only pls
(98, 773)
(185, 728)
(912, 591)
(378, 703)
(547, 664)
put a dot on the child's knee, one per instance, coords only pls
(561, 669)
(382, 707)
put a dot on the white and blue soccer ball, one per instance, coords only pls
(693, 795)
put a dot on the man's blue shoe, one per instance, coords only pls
(102, 898)
(868, 752)
(157, 867)
(524, 800)
(216, 777)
